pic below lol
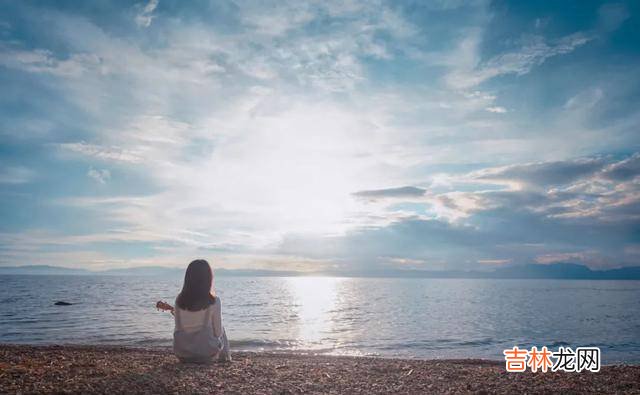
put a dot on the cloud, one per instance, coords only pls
(541, 174)
(276, 19)
(43, 61)
(110, 153)
(16, 175)
(624, 170)
(599, 188)
(593, 259)
(401, 192)
(101, 176)
(268, 130)
(541, 222)
(585, 100)
(310, 53)
(145, 17)
(469, 71)
(496, 109)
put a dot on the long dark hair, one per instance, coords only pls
(196, 292)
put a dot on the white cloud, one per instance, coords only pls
(250, 135)
(101, 176)
(468, 71)
(275, 19)
(591, 258)
(145, 17)
(585, 100)
(496, 109)
(110, 153)
(43, 61)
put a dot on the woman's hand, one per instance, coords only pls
(160, 305)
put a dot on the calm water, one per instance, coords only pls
(422, 318)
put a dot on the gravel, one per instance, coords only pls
(111, 369)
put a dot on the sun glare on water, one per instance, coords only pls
(314, 300)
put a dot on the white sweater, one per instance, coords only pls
(192, 320)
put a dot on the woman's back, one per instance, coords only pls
(191, 321)
(197, 334)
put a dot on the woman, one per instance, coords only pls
(199, 335)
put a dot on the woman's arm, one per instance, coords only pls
(217, 318)
(160, 305)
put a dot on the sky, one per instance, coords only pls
(320, 136)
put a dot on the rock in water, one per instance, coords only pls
(61, 303)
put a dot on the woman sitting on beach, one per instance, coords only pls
(199, 335)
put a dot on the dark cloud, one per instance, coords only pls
(602, 188)
(543, 174)
(623, 170)
(584, 211)
(517, 236)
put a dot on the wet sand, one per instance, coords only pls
(108, 369)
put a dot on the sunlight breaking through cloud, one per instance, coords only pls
(323, 134)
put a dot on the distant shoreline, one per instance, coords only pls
(558, 271)
(113, 369)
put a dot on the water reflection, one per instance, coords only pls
(425, 318)
(314, 301)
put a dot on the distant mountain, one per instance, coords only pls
(557, 270)
(144, 271)
(529, 271)
(136, 271)
(569, 271)
(625, 273)
(257, 273)
(58, 270)
(41, 269)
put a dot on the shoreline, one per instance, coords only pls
(311, 353)
(121, 369)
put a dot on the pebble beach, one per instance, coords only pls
(110, 369)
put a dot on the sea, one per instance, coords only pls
(385, 317)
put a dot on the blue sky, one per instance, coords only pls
(315, 136)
